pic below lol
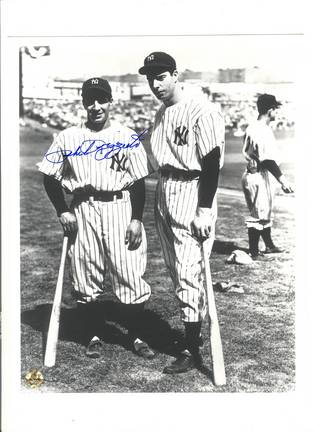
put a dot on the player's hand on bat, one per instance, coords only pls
(285, 185)
(68, 222)
(133, 237)
(202, 223)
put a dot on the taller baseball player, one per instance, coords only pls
(261, 177)
(102, 165)
(187, 143)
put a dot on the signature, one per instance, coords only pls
(101, 149)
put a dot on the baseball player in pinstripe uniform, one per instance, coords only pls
(260, 180)
(187, 144)
(103, 165)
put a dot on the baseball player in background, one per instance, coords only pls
(187, 144)
(103, 165)
(260, 180)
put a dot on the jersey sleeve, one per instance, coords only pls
(140, 165)
(210, 133)
(53, 161)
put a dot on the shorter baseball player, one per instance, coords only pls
(102, 165)
(262, 175)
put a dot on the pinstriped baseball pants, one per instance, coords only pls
(100, 247)
(175, 207)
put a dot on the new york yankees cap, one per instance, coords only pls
(98, 84)
(158, 60)
(266, 102)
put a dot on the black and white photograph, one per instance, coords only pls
(144, 177)
(156, 223)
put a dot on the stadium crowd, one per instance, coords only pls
(61, 114)
(139, 115)
(239, 115)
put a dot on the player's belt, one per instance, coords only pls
(178, 174)
(105, 196)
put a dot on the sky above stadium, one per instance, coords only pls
(88, 56)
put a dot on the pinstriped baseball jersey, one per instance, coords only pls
(185, 132)
(77, 159)
(102, 170)
(259, 187)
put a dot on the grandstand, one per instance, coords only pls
(57, 102)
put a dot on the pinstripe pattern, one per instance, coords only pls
(182, 135)
(259, 188)
(175, 207)
(205, 127)
(99, 246)
(85, 171)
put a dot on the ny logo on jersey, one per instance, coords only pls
(181, 135)
(150, 58)
(94, 81)
(118, 164)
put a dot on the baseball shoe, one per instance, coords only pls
(94, 348)
(184, 363)
(142, 349)
(259, 255)
(274, 249)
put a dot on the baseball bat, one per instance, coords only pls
(53, 330)
(219, 375)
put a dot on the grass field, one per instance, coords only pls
(257, 327)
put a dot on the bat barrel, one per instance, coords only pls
(53, 330)
(219, 375)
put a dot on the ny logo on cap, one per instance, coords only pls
(94, 81)
(150, 57)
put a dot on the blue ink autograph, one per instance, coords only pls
(95, 146)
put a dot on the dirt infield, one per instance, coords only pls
(257, 326)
